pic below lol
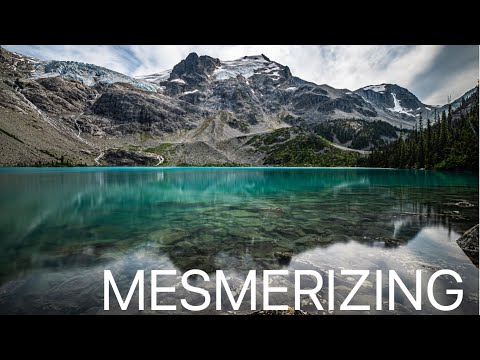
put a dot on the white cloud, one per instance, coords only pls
(340, 66)
(454, 87)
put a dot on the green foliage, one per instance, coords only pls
(164, 150)
(450, 143)
(243, 126)
(306, 149)
(276, 136)
(361, 133)
(160, 149)
(144, 136)
(215, 165)
(296, 146)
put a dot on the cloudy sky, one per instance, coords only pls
(432, 72)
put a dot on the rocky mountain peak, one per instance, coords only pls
(388, 89)
(190, 74)
(194, 65)
(193, 56)
(394, 99)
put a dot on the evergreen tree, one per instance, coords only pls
(449, 118)
(451, 142)
(401, 150)
(428, 145)
(421, 148)
(443, 135)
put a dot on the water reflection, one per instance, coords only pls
(61, 228)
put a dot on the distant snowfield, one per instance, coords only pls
(155, 78)
(87, 74)
(246, 66)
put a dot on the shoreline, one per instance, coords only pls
(197, 167)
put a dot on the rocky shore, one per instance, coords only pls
(468, 242)
(290, 311)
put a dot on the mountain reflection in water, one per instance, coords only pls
(60, 228)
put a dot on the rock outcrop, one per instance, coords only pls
(468, 242)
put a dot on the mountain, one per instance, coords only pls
(253, 86)
(393, 102)
(203, 111)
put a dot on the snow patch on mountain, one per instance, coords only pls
(246, 66)
(88, 74)
(398, 108)
(366, 100)
(190, 92)
(180, 81)
(156, 78)
(376, 88)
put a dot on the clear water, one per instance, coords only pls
(61, 227)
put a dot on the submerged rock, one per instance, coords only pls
(277, 210)
(313, 239)
(463, 203)
(468, 242)
(283, 257)
(241, 213)
(389, 242)
(168, 236)
(245, 233)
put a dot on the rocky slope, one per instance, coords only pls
(203, 111)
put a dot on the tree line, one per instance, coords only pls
(448, 141)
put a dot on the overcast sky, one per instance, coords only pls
(432, 72)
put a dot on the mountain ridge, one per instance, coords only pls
(221, 104)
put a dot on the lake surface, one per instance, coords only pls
(61, 227)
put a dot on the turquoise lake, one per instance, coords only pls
(61, 227)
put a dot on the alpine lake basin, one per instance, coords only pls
(60, 228)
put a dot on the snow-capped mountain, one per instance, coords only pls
(204, 108)
(392, 100)
(266, 84)
(251, 84)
